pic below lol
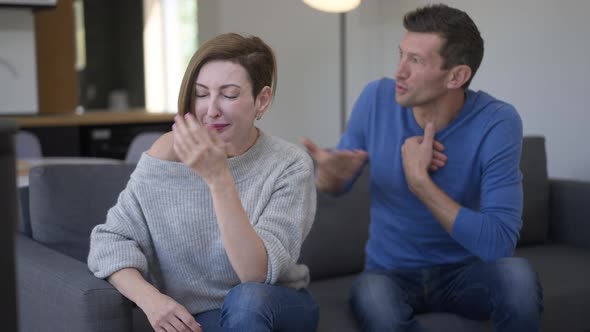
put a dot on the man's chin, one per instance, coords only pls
(402, 102)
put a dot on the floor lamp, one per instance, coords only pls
(343, 78)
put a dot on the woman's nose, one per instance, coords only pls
(213, 109)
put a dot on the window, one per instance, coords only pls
(170, 38)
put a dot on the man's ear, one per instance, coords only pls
(458, 76)
(263, 101)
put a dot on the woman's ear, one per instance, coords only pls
(458, 76)
(263, 101)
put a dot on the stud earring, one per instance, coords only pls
(258, 117)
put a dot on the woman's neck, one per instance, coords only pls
(233, 151)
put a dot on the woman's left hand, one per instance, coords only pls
(198, 148)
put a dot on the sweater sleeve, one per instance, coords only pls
(122, 240)
(287, 218)
(492, 232)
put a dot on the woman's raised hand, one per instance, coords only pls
(199, 148)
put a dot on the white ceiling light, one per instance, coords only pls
(333, 6)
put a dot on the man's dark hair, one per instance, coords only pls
(462, 43)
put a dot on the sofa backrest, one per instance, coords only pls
(67, 201)
(336, 243)
(535, 214)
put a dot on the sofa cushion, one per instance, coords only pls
(564, 273)
(67, 201)
(332, 296)
(336, 243)
(535, 216)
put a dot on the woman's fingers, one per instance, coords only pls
(179, 325)
(199, 133)
(189, 321)
(168, 327)
(180, 144)
(187, 133)
(181, 130)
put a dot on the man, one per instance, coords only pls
(446, 190)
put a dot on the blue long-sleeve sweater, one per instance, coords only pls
(483, 145)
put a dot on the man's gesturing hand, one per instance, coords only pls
(334, 167)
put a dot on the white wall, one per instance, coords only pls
(18, 68)
(306, 43)
(537, 58)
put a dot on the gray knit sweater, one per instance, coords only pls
(164, 224)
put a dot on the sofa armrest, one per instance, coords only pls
(570, 212)
(58, 293)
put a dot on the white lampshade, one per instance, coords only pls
(333, 6)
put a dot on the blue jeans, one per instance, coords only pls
(262, 307)
(507, 291)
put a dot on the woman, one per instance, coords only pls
(216, 211)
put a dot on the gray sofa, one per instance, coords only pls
(56, 292)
